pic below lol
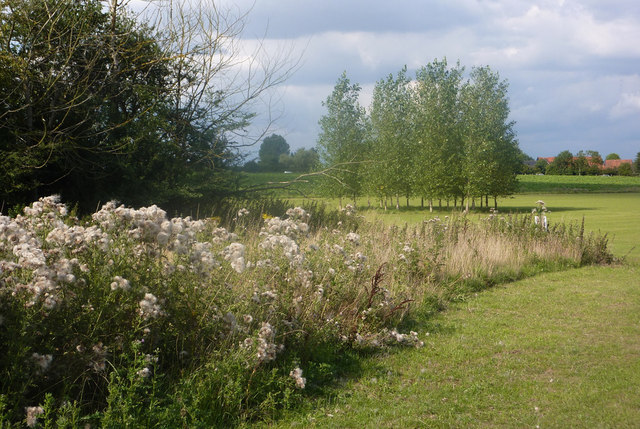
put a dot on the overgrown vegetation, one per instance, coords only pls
(99, 103)
(133, 318)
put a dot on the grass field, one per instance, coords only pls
(578, 184)
(528, 184)
(558, 350)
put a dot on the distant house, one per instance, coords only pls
(610, 163)
(615, 163)
(549, 159)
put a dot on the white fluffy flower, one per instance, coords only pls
(296, 374)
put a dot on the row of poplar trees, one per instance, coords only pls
(440, 137)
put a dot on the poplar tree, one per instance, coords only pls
(342, 143)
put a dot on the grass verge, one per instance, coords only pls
(558, 350)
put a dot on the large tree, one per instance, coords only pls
(270, 150)
(392, 144)
(492, 156)
(96, 104)
(438, 133)
(342, 143)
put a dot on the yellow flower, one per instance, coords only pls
(266, 216)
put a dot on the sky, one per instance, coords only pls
(573, 66)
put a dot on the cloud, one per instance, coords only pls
(572, 65)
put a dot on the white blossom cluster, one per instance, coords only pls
(296, 374)
(42, 361)
(387, 337)
(349, 210)
(289, 247)
(267, 348)
(49, 269)
(149, 307)
(32, 415)
(234, 253)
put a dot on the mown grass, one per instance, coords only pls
(527, 184)
(558, 350)
(578, 184)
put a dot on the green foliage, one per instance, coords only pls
(97, 104)
(271, 149)
(301, 161)
(562, 164)
(437, 137)
(612, 156)
(343, 140)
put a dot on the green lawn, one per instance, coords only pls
(578, 184)
(558, 350)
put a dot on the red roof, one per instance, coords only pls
(615, 163)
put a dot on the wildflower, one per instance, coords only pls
(149, 307)
(234, 253)
(120, 283)
(242, 212)
(99, 357)
(296, 374)
(247, 318)
(32, 415)
(43, 361)
(266, 347)
(353, 237)
(144, 372)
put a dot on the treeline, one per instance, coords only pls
(439, 136)
(98, 103)
(585, 163)
(275, 155)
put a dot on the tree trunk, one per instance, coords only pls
(407, 200)
(397, 202)
(495, 203)
(422, 202)
(430, 205)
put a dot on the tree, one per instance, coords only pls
(392, 139)
(492, 156)
(301, 161)
(580, 163)
(595, 162)
(541, 166)
(562, 164)
(342, 142)
(612, 155)
(636, 164)
(270, 150)
(95, 104)
(438, 133)
(625, 169)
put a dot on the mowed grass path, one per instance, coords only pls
(558, 350)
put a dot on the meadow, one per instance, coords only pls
(135, 318)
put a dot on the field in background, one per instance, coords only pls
(528, 184)
(608, 204)
(578, 184)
